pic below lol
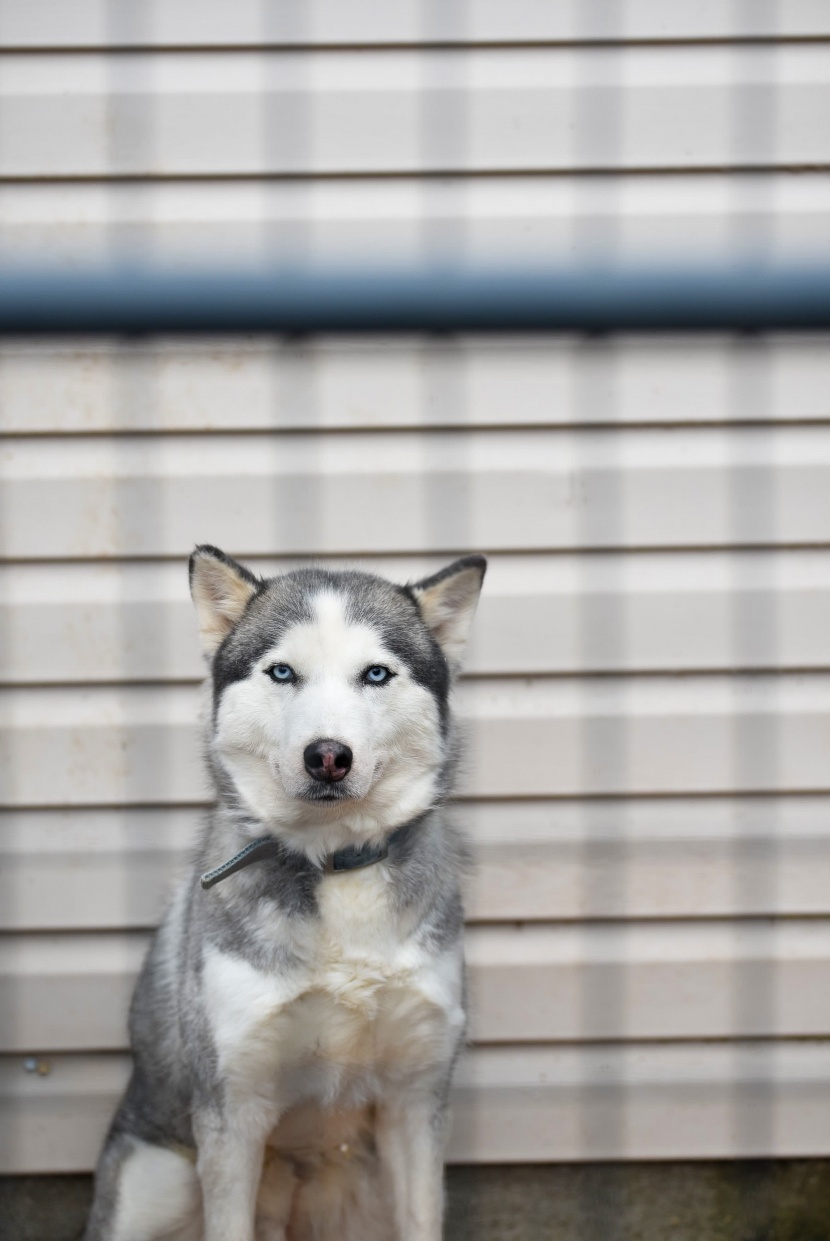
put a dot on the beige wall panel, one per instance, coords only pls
(657, 735)
(92, 869)
(259, 384)
(400, 219)
(660, 1101)
(198, 23)
(67, 991)
(497, 490)
(655, 858)
(647, 612)
(55, 1121)
(692, 980)
(82, 747)
(111, 746)
(537, 1104)
(71, 992)
(257, 113)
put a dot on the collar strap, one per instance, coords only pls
(353, 857)
(254, 852)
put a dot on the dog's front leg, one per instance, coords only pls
(410, 1139)
(231, 1151)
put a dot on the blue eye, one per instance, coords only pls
(377, 675)
(282, 673)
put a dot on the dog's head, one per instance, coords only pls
(330, 689)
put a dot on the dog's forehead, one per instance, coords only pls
(343, 622)
(332, 631)
(334, 600)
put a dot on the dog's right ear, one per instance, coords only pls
(220, 589)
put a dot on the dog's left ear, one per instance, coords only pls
(448, 602)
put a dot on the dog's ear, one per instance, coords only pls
(448, 602)
(220, 589)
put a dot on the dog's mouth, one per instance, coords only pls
(325, 793)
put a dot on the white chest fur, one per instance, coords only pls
(366, 1006)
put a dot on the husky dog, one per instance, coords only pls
(297, 1018)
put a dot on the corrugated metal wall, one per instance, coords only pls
(648, 698)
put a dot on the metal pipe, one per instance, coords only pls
(128, 297)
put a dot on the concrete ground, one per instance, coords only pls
(763, 1201)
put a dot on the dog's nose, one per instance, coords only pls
(327, 760)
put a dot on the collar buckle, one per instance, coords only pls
(354, 857)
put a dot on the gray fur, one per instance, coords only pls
(176, 1083)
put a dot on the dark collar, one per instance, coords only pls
(353, 857)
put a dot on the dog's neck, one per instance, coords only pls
(353, 857)
(264, 843)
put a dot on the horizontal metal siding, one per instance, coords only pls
(206, 23)
(655, 735)
(626, 978)
(502, 490)
(338, 112)
(373, 219)
(540, 984)
(133, 621)
(510, 1105)
(261, 385)
(95, 868)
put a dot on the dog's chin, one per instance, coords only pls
(326, 794)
